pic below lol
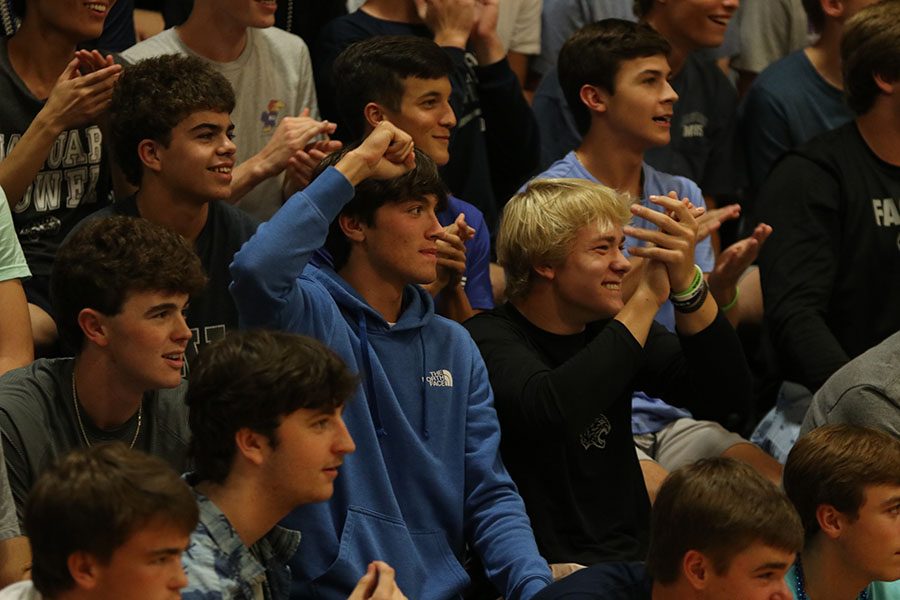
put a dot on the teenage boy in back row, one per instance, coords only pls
(427, 480)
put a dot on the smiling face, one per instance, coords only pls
(755, 573)
(639, 113)
(587, 284)
(311, 445)
(198, 161)
(147, 339)
(146, 567)
(425, 114)
(78, 19)
(400, 246)
(699, 23)
(871, 542)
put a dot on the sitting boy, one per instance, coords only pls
(267, 436)
(720, 532)
(567, 351)
(107, 522)
(427, 480)
(120, 287)
(844, 481)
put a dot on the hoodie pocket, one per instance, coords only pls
(424, 563)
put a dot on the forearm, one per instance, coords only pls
(248, 175)
(16, 344)
(638, 313)
(20, 167)
(15, 560)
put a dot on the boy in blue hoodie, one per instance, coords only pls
(427, 479)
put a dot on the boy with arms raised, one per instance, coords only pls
(406, 80)
(427, 478)
(271, 74)
(615, 74)
(720, 532)
(844, 481)
(567, 351)
(107, 522)
(267, 436)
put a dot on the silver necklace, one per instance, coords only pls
(84, 436)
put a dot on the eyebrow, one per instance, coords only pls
(656, 72)
(211, 127)
(771, 565)
(891, 502)
(612, 239)
(168, 551)
(430, 94)
(165, 306)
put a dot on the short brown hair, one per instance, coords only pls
(870, 46)
(717, 506)
(108, 258)
(92, 501)
(834, 464)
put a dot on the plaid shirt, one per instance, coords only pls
(219, 565)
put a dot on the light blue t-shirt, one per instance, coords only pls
(877, 590)
(648, 415)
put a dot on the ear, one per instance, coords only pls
(831, 521)
(374, 114)
(833, 8)
(696, 568)
(886, 86)
(148, 151)
(548, 272)
(84, 569)
(352, 228)
(93, 325)
(253, 446)
(594, 98)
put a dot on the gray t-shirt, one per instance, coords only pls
(272, 79)
(38, 423)
(865, 391)
(769, 31)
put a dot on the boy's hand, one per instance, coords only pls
(451, 21)
(733, 261)
(292, 135)
(377, 584)
(303, 163)
(386, 153)
(673, 244)
(77, 99)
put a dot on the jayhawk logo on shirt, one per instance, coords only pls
(269, 117)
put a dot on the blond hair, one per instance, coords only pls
(540, 224)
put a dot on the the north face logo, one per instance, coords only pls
(442, 378)
(595, 433)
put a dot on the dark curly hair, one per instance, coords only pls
(106, 259)
(153, 96)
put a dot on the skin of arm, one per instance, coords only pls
(75, 99)
(15, 560)
(16, 343)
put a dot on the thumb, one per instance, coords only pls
(71, 70)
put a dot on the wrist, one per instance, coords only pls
(488, 49)
(353, 167)
(47, 122)
(452, 39)
(687, 284)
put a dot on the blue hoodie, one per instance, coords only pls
(426, 478)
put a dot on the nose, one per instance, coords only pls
(434, 227)
(181, 332)
(448, 119)
(179, 579)
(343, 443)
(670, 95)
(620, 263)
(228, 146)
(731, 5)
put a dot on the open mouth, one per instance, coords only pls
(612, 286)
(663, 120)
(224, 170)
(97, 7)
(176, 359)
(720, 20)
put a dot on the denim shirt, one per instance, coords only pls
(219, 565)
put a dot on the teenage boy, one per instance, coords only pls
(844, 481)
(494, 148)
(406, 80)
(173, 141)
(566, 352)
(827, 272)
(263, 405)
(801, 95)
(270, 71)
(120, 287)
(719, 532)
(702, 123)
(427, 479)
(615, 75)
(52, 166)
(107, 522)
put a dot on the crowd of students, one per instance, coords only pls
(474, 317)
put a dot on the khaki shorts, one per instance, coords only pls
(684, 441)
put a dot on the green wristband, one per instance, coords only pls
(693, 287)
(730, 305)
